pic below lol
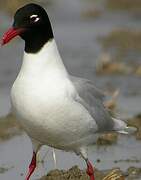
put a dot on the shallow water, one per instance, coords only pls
(77, 41)
(15, 156)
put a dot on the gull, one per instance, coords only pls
(53, 107)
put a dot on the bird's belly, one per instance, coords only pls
(56, 121)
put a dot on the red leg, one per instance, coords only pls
(90, 170)
(32, 166)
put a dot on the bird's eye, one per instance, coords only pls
(34, 18)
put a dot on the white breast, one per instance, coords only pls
(42, 98)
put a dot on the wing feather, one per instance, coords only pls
(92, 99)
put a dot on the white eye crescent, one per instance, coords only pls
(35, 18)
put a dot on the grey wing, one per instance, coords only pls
(92, 99)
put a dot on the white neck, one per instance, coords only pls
(46, 60)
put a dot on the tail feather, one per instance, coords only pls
(122, 128)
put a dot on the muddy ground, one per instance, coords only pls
(9, 128)
(76, 174)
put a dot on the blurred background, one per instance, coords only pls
(99, 40)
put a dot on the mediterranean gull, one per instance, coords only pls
(54, 108)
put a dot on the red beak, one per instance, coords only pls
(10, 34)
